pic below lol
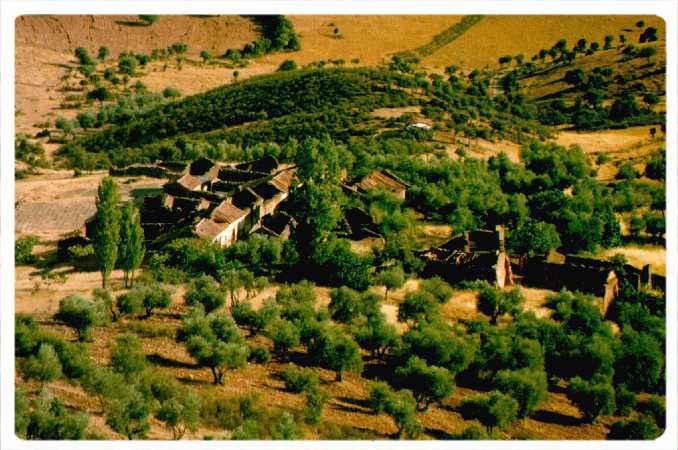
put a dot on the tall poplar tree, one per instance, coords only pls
(107, 232)
(131, 251)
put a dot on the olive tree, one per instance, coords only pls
(80, 314)
(428, 384)
(492, 410)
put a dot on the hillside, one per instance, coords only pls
(340, 228)
(479, 47)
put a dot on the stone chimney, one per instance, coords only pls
(499, 233)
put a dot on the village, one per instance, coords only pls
(259, 227)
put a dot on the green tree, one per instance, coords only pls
(51, 420)
(593, 398)
(437, 287)
(285, 335)
(287, 65)
(492, 410)
(336, 351)
(44, 366)
(103, 53)
(127, 412)
(316, 398)
(149, 19)
(256, 321)
(80, 314)
(402, 407)
(180, 413)
(107, 233)
(171, 92)
(131, 250)
(639, 361)
(418, 306)
(528, 387)
(127, 356)
(642, 428)
(429, 384)
(206, 56)
(534, 238)
(205, 291)
(377, 336)
(495, 303)
(438, 345)
(393, 278)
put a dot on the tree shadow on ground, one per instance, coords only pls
(133, 23)
(556, 418)
(440, 434)
(160, 360)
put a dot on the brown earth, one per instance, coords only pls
(556, 418)
(479, 47)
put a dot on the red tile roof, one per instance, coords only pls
(227, 213)
(208, 229)
(283, 180)
(378, 179)
(190, 182)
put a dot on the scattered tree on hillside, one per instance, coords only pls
(131, 250)
(107, 232)
(495, 303)
(492, 410)
(393, 278)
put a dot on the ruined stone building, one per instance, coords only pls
(472, 255)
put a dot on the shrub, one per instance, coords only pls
(315, 402)
(493, 410)
(171, 92)
(655, 407)
(44, 366)
(625, 400)
(127, 357)
(285, 336)
(50, 420)
(26, 335)
(527, 386)
(259, 354)
(299, 380)
(380, 395)
(284, 427)
(288, 64)
(593, 398)
(149, 19)
(23, 249)
(437, 287)
(642, 428)
(256, 321)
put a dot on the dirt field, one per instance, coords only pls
(478, 47)
(57, 203)
(640, 256)
(556, 419)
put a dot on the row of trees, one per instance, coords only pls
(118, 236)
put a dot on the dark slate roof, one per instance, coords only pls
(200, 166)
(267, 164)
(266, 190)
(245, 198)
